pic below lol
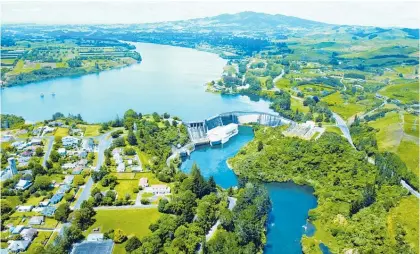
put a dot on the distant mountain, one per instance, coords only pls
(241, 22)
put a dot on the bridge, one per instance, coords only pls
(197, 130)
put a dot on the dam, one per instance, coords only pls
(198, 130)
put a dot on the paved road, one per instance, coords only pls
(410, 189)
(49, 148)
(209, 235)
(104, 143)
(343, 127)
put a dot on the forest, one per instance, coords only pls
(354, 197)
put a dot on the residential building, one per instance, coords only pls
(23, 184)
(144, 182)
(44, 203)
(48, 211)
(159, 189)
(36, 220)
(18, 246)
(62, 189)
(95, 237)
(17, 229)
(84, 247)
(56, 198)
(10, 171)
(121, 167)
(77, 170)
(24, 208)
(68, 165)
(62, 151)
(68, 180)
(70, 141)
(88, 145)
(35, 141)
(29, 234)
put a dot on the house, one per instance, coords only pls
(35, 141)
(17, 144)
(121, 167)
(116, 151)
(27, 153)
(36, 220)
(29, 234)
(62, 151)
(70, 141)
(95, 237)
(44, 203)
(84, 247)
(77, 171)
(48, 211)
(82, 154)
(56, 198)
(55, 124)
(24, 208)
(82, 162)
(7, 138)
(144, 182)
(17, 229)
(88, 145)
(68, 180)
(68, 165)
(63, 189)
(117, 157)
(23, 184)
(18, 246)
(159, 189)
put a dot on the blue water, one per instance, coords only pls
(212, 160)
(324, 248)
(169, 79)
(290, 202)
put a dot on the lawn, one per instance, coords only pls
(404, 92)
(13, 200)
(405, 214)
(390, 132)
(61, 132)
(411, 124)
(32, 200)
(40, 240)
(297, 104)
(409, 153)
(344, 109)
(131, 221)
(335, 129)
(91, 130)
(126, 187)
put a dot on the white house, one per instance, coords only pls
(159, 189)
(144, 182)
(18, 246)
(62, 151)
(23, 184)
(36, 220)
(94, 237)
(24, 208)
(35, 141)
(29, 234)
(121, 167)
(70, 141)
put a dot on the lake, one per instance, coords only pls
(290, 202)
(169, 79)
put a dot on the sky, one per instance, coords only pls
(374, 13)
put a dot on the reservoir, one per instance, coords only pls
(290, 202)
(169, 79)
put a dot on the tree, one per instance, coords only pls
(42, 183)
(119, 236)
(83, 218)
(131, 138)
(62, 212)
(260, 146)
(39, 151)
(132, 244)
(54, 156)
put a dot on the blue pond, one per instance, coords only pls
(290, 202)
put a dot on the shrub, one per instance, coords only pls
(119, 236)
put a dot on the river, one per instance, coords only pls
(290, 202)
(169, 79)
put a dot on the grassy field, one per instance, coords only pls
(126, 187)
(406, 215)
(335, 129)
(297, 104)
(132, 222)
(390, 132)
(404, 92)
(409, 153)
(411, 124)
(13, 200)
(61, 132)
(344, 109)
(91, 130)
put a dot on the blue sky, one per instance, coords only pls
(374, 13)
